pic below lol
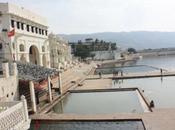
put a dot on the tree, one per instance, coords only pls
(82, 51)
(96, 40)
(79, 42)
(132, 50)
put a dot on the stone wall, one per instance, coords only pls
(9, 84)
(106, 55)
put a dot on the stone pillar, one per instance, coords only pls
(27, 57)
(49, 89)
(59, 79)
(48, 61)
(15, 69)
(60, 83)
(32, 95)
(25, 107)
(40, 59)
(5, 68)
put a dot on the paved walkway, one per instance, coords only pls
(96, 84)
(134, 75)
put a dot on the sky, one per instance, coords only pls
(90, 16)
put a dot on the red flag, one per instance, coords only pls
(11, 33)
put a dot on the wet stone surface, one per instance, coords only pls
(90, 125)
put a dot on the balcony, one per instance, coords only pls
(14, 115)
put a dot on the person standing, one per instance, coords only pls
(100, 75)
(161, 71)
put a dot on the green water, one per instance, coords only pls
(99, 103)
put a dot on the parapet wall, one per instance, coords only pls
(9, 82)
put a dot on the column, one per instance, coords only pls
(32, 95)
(25, 107)
(48, 61)
(60, 82)
(27, 57)
(40, 59)
(59, 79)
(49, 89)
(15, 69)
(5, 68)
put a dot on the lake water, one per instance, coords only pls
(161, 90)
(100, 103)
(126, 69)
(90, 125)
(146, 64)
(166, 62)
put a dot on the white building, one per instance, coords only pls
(60, 52)
(30, 42)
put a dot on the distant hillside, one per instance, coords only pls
(138, 40)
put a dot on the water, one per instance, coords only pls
(100, 103)
(166, 62)
(90, 125)
(126, 69)
(161, 90)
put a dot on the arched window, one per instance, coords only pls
(21, 47)
(43, 49)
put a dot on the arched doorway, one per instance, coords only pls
(34, 55)
(44, 61)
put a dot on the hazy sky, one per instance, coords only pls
(88, 16)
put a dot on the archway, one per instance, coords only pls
(44, 61)
(34, 55)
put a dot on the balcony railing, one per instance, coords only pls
(14, 115)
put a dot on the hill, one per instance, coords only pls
(138, 40)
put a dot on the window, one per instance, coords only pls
(39, 31)
(36, 30)
(22, 26)
(18, 25)
(42, 32)
(43, 49)
(12, 23)
(21, 47)
(0, 46)
(46, 32)
(28, 28)
(32, 28)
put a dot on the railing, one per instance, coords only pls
(14, 115)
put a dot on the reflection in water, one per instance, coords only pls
(161, 89)
(99, 103)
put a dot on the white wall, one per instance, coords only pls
(106, 55)
(8, 87)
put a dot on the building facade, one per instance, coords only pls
(23, 35)
(60, 52)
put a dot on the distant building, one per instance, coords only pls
(23, 36)
(101, 50)
(60, 52)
